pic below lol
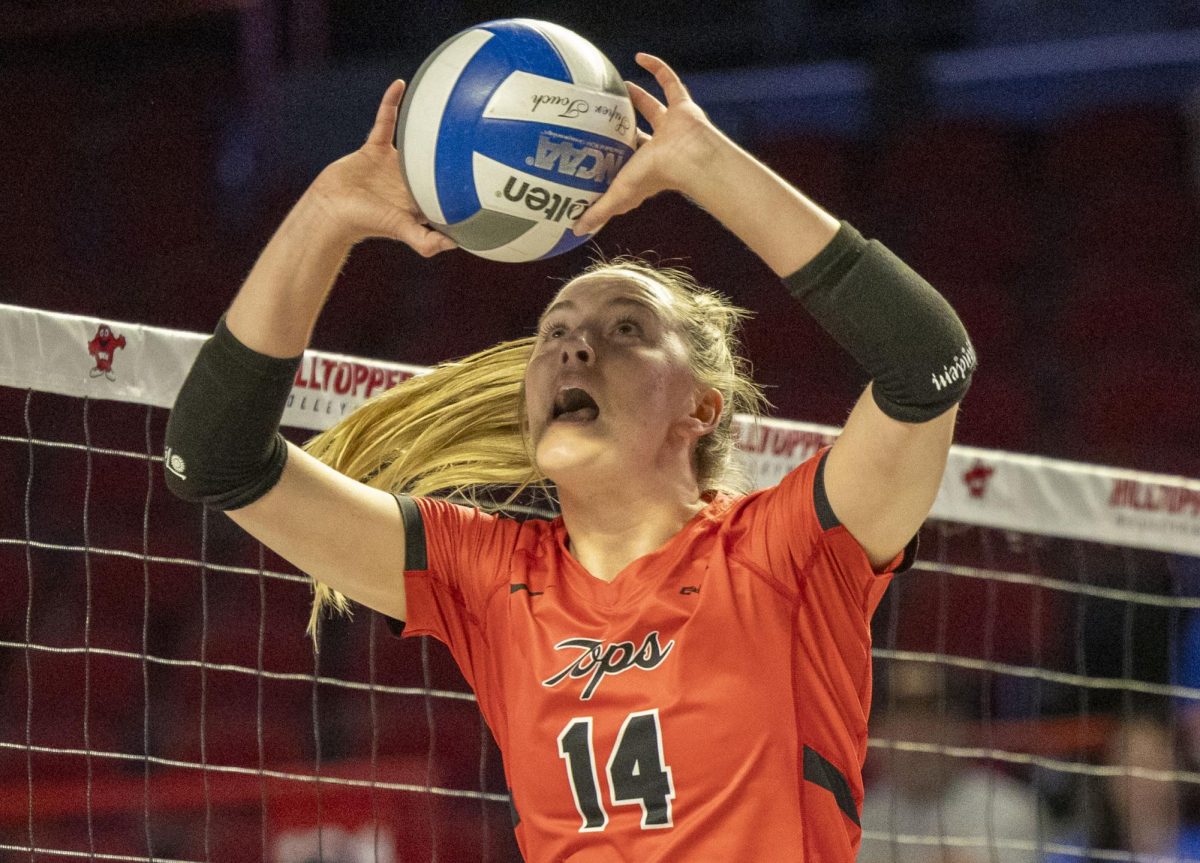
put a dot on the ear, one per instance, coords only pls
(707, 412)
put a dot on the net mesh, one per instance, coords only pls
(1036, 672)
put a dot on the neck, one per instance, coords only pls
(609, 529)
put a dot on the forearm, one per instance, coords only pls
(893, 322)
(277, 306)
(901, 330)
(223, 445)
(776, 221)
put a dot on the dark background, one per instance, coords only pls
(1033, 160)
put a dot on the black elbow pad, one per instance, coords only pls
(892, 321)
(223, 446)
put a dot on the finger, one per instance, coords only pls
(642, 139)
(646, 105)
(425, 241)
(672, 85)
(622, 196)
(385, 117)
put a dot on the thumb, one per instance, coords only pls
(426, 242)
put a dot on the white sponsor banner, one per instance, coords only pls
(771, 448)
(104, 359)
(1011, 491)
(117, 361)
(533, 98)
(1040, 495)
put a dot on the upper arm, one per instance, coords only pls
(339, 531)
(882, 476)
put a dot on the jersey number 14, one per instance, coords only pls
(637, 772)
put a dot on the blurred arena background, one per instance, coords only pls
(1036, 160)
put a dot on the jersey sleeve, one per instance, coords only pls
(456, 557)
(794, 535)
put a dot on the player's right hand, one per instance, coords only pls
(365, 194)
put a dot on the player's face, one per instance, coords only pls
(609, 389)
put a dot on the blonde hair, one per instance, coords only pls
(460, 430)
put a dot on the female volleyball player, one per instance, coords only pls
(673, 671)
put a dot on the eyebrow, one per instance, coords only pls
(615, 301)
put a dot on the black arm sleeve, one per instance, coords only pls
(893, 322)
(223, 446)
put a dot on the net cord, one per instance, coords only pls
(285, 775)
(145, 663)
(260, 673)
(427, 678)
(87, 623)
(316, 733)
(1008, 491)
(208, 813)
(373, 710)
(29, 626)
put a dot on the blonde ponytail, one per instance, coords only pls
(451, 432)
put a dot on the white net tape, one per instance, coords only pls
(162, 702)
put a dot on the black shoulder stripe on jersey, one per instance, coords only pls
(825, 515)
(829, 520)
(415, 557)
(414, 534)
(821, 772)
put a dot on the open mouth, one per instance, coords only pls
(574, 405)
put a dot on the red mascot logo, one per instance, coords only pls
(102, 346)
(977, 478)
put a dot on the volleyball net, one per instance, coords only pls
(1038, 671)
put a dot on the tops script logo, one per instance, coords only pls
(598, 660)
(977, 478)
(103, 346)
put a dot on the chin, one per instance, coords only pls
(560, 453)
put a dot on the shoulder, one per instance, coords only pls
(794, 522)
(800, 494)
(458, 526)
(443, 509)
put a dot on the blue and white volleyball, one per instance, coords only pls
(509, 131)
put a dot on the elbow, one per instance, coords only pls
(218, 477)
(175, 475)
(951, 382)
(223, 447)
(918, 401)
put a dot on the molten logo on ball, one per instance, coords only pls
(554, 206)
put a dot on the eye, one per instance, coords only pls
(627, 327)
(553, 330)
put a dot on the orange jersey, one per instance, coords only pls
(708, 704)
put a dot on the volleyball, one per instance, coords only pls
(508, 132)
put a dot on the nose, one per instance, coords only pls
(577, 350)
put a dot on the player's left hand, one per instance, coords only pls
(675, 157)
